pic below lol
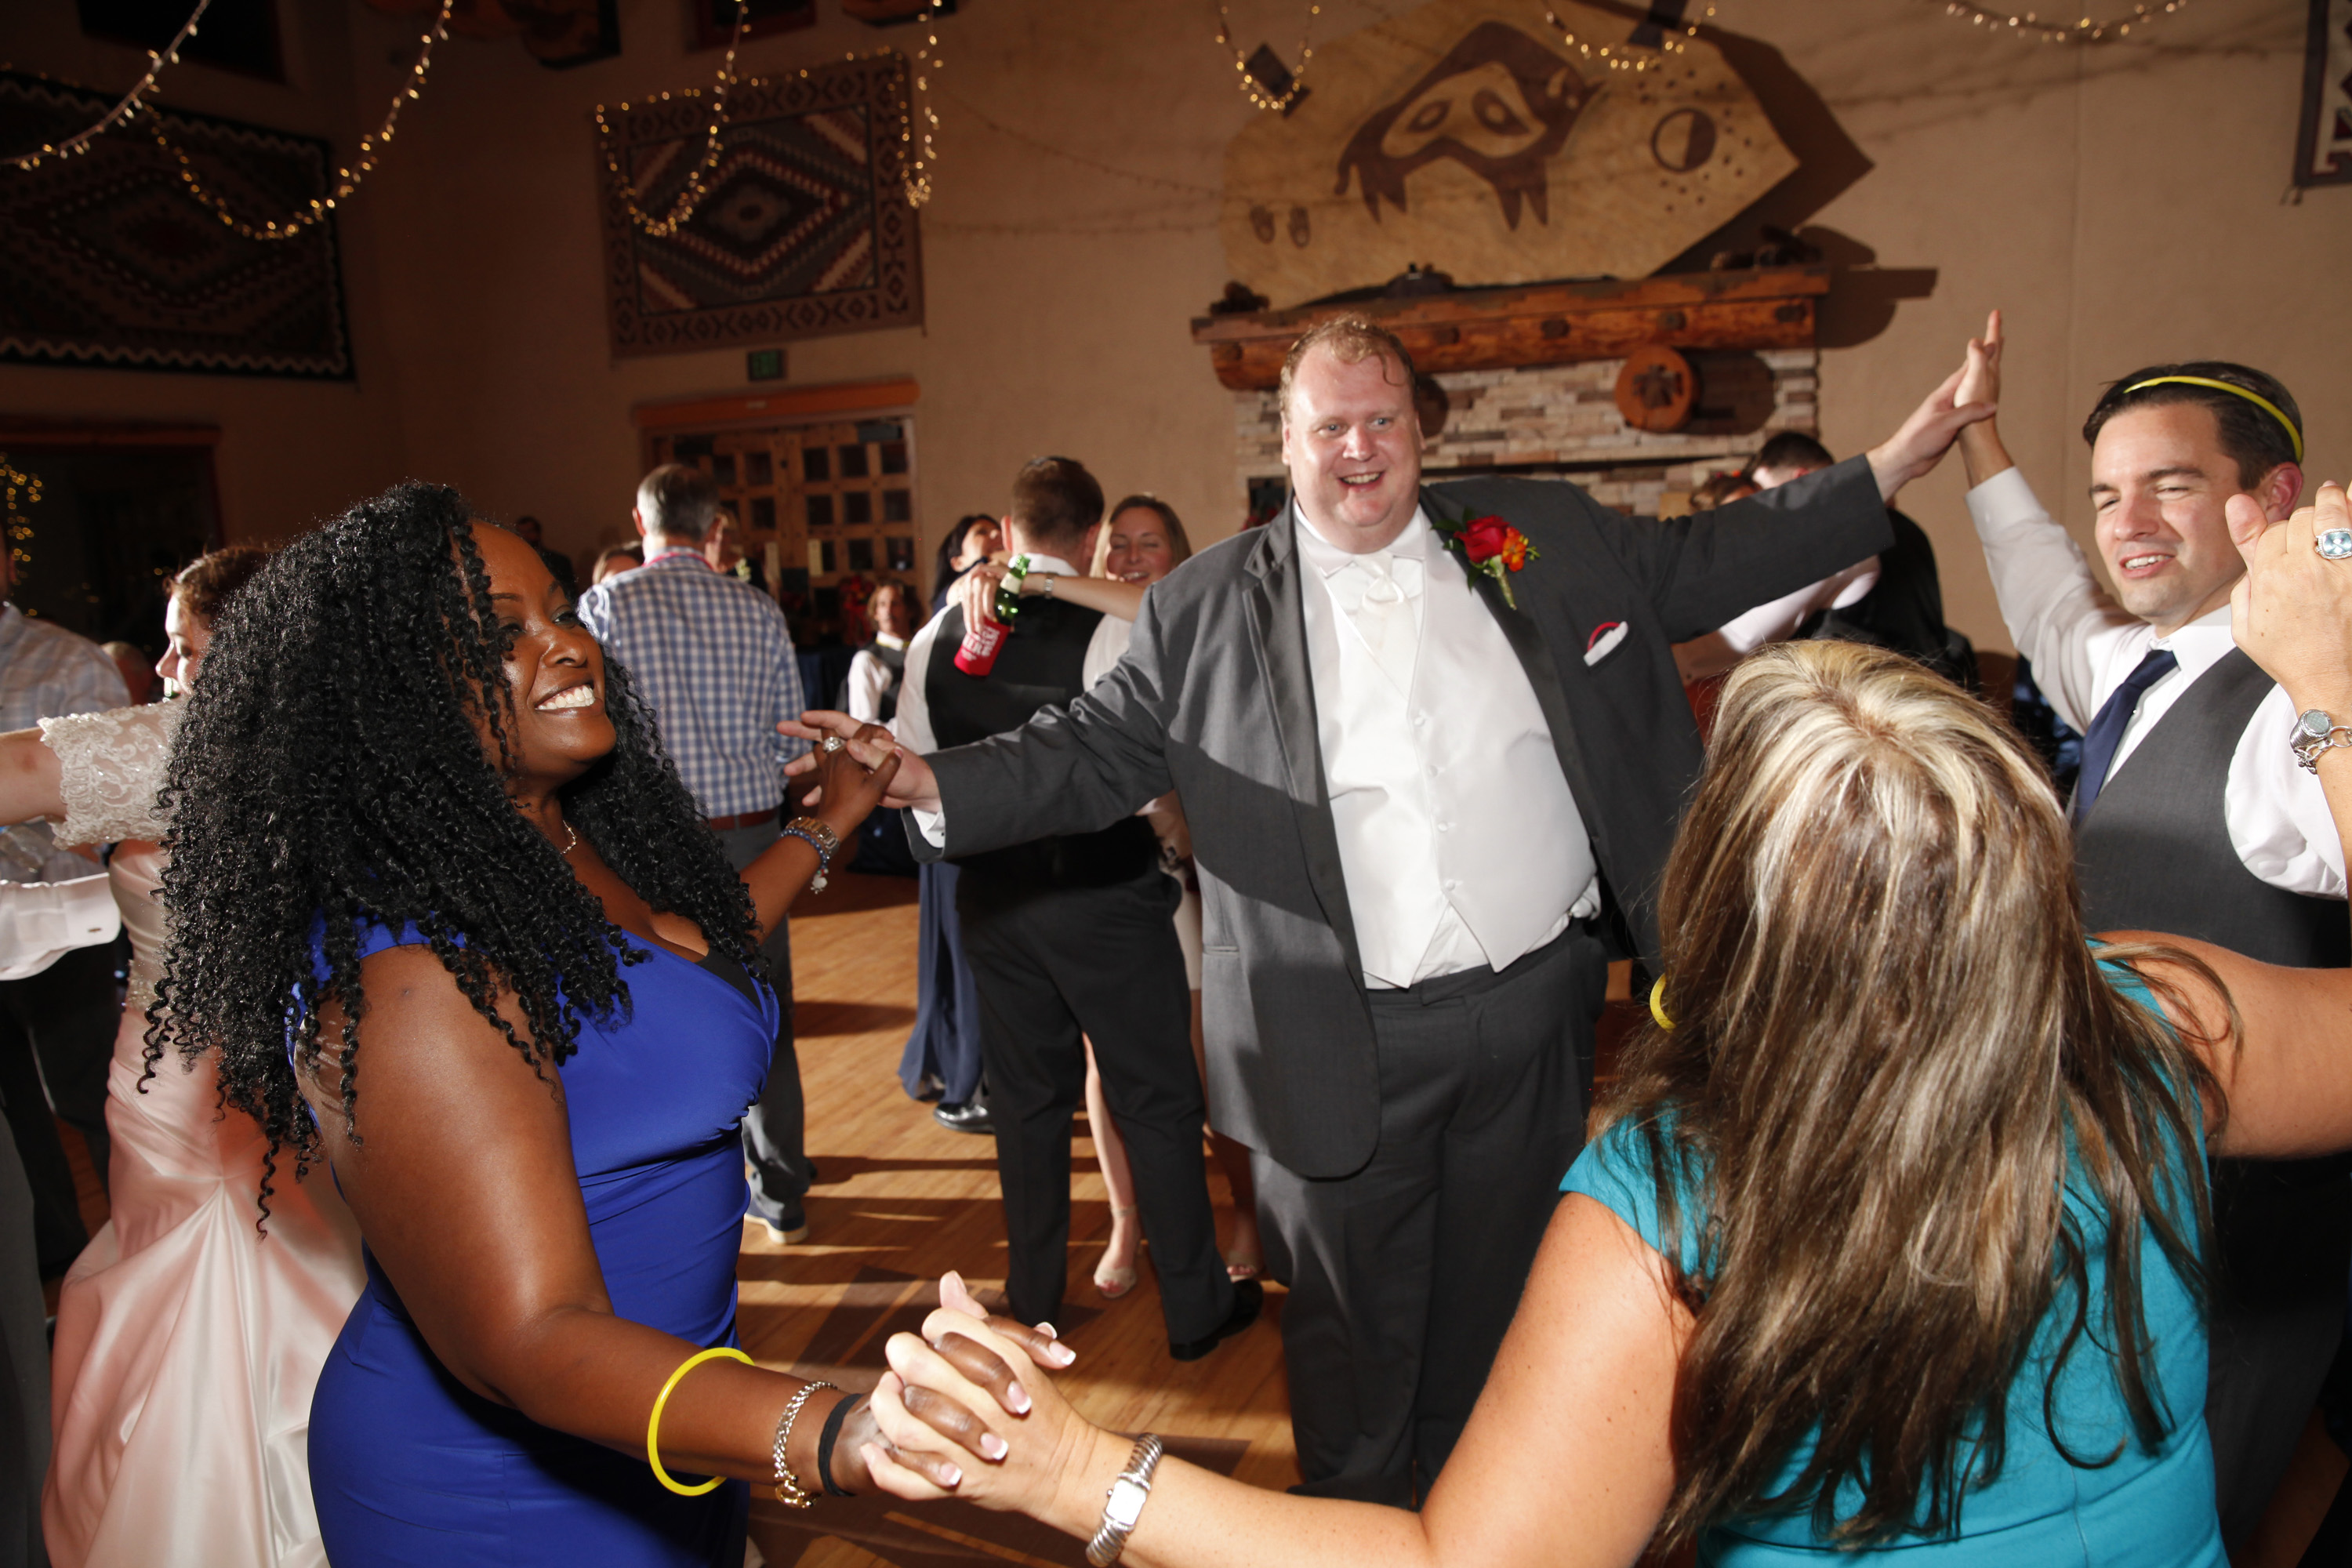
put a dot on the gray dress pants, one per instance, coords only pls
(1404, 1274)
(775, 1126)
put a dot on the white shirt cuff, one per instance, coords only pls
(933, 826)
(41, 922)
(2004, 500)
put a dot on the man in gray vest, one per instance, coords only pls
(1069, 933)
(2192, 813)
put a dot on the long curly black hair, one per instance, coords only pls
(331, 771)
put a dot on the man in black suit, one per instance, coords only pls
(1074, 933)
(1433, 747)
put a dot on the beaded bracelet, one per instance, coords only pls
(653, 1423)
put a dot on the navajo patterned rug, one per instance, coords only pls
(110, 262)
(804, 231)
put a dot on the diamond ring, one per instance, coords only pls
(2334, 544)
(834, 743)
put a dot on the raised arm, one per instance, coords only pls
(1566, 1461)
(2051, 600)
(976, 592)
(848, 790)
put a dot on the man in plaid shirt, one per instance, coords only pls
(713, 659)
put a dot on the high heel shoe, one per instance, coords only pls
(1113, 1280)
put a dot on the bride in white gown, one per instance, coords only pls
(188, 1339)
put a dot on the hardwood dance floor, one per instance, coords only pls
(903, 1199)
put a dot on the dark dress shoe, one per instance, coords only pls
(969, 1117)
(1249, 1299)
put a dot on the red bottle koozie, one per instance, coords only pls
(982, 644)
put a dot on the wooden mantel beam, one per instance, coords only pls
(1552, 324)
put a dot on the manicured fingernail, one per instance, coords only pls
(1060, 1354)
(992, 1447)
(954, 1477)
(1048, 1330)
(1020, 1398)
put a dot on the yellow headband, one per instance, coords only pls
(2256, 398)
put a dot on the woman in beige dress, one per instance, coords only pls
(187, 1341)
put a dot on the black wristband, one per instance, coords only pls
(824, 1444)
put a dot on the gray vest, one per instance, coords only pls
(2155, 853)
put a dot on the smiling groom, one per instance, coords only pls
(1432, 748)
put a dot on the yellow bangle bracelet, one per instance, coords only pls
(653, 1423)
(1658, 1004)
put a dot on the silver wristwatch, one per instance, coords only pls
(2315, 733)
(1123, 1504)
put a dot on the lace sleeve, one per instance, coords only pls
(112, 765)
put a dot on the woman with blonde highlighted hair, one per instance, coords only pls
(1894, 1235)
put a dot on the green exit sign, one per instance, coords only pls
(764, 364)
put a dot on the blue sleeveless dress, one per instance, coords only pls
(409, 1467)
(2146, 1507)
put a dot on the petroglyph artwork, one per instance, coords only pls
(1468, 136)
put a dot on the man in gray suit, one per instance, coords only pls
(1432, 749)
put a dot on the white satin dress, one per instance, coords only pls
(188, 1342)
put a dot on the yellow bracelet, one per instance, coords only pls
(653, 1423)
(1658, 1004)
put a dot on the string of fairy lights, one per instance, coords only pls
(2083, 30)
(920, 159)
(681, 209)
(125, 109)
(346, 180)
(918, 134)
(19, 489)
(1256, 91)
(1629, 56)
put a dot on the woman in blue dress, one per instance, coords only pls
(1892, 1242)
(453, 924)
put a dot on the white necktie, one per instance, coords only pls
(1385, 619)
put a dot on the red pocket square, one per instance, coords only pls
(1604, 641)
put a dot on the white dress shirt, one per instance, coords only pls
(913, 724)
(1459, 841)
(2083, 645)
(869, 679)
(41, 922)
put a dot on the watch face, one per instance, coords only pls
(2316, 723)
(1125, 1505)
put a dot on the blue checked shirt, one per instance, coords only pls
(48, 672)
(712, 657)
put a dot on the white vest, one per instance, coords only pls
(1459, 840)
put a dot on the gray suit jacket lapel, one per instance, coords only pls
(1279, 626)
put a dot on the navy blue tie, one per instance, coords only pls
(2115, 716)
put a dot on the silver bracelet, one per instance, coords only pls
(1049, 579)
(1123, 1504)
(789, 1490)
(2316, 731)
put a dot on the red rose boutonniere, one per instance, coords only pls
(1490, 546)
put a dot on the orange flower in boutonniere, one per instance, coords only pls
(1490, 546)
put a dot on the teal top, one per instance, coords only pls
(2146, 1508)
